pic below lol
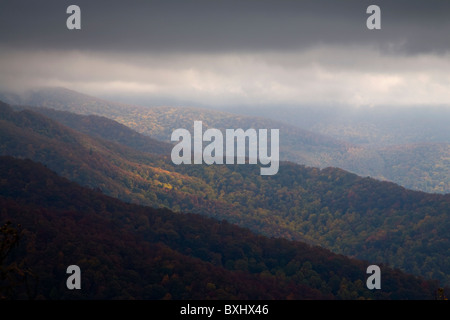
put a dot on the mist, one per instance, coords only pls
(232, 53)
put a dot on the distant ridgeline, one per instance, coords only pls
(359, 217)
(411, 149)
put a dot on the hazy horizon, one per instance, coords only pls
(232, 53)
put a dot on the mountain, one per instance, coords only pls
(99, 163)
(359, 217)
(296, 144)
(422, 166)
(127, 251)
(66, 100)
(364, 126)
(371, 143)
(409, 146)
(104, 128)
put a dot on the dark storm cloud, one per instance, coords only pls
(232, 52)
(225, 26)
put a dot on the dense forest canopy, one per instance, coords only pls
(128, 251)
(409, 146)
(359, 217)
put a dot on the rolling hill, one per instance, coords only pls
(374, 145)
(348, 214)
(127, 251)
(296, 144)
(381, 126)
(104, 128)
(409, 146)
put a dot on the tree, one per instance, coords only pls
(440, 294)
(14, 276)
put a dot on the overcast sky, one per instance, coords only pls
(219, 53)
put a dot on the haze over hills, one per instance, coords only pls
(296, 144)
(360, 217)
(371, 126)
(418, 161)
(359, 92)
(406, 145)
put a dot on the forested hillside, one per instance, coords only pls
(385, 145)
(409, 145)
(127, 251)
(356, 216)
(380, 126)
(104, 128)
(298, 145)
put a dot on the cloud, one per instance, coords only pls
(218, 53)
(319, 76)
(204, 26)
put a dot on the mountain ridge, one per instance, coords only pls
(164, 255)
(348, 214)
(425, 171)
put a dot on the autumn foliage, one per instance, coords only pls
(127, 251)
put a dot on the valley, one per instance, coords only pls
(359, 217)
(412, 150)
